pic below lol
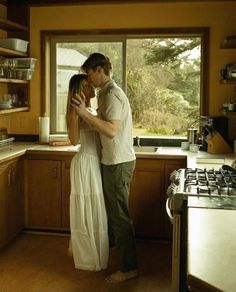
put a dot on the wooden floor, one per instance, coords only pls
(39, 263)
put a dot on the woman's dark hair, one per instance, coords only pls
(74, 87)
(74, 84)
(96, 59)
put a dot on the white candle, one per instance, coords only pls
(44, 126)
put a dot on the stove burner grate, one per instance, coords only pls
(202, 182)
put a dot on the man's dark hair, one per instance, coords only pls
(96, 59)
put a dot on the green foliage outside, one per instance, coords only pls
(163, 81)
(163, 85)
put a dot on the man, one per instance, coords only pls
(114, 124)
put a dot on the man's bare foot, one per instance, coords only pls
(119, 276)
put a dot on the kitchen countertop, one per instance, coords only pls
(212, 249)
(206, 159)
(20, 148)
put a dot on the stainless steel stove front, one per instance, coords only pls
(197, 188)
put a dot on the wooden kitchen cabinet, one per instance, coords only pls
(44, 193)
(11, 199)
(4, 174)
(145, 197)
(66, 194)
(48, 192)
(148, 196)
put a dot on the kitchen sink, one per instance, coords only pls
(150, 149)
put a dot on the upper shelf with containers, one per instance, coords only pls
(229, 42)
(9, 25)
(16, 68)
(228, 74)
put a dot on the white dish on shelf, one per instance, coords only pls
(14, 44)
(5, 107)
(5, 104)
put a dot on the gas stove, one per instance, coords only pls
(195, 188)
(203, 188)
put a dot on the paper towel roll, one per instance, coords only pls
(44, 126)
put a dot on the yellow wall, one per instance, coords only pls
(3, 12)
(220, 17)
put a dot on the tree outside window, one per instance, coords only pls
(162, 80)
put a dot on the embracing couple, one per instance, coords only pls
(101, 172)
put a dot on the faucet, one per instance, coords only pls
(138, 141)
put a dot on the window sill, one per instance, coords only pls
(168, 141)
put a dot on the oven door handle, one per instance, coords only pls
(168, 211)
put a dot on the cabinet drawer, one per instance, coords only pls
(148, 164)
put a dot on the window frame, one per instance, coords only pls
(119, 35)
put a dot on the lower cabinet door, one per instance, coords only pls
(11, 199)
(15, 199)
(4, 185)
(145, 203)
(66, 199)
(44, 194)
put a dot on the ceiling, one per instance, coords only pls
(70, 2)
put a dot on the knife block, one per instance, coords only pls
(217, 144)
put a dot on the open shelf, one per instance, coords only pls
(8, 52)
(14, 85)
(14, 110)
(228, 81)
(229, 113)
(229, 42)
(11, 25)
(6, 80)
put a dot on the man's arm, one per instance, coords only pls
(106, 128)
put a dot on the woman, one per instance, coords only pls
(88, 220)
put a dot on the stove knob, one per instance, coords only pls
(173, 174)
(171, 190)
(174, 177)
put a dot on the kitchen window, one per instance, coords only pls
(164, 75)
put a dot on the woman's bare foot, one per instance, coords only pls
(119, 276)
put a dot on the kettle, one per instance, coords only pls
(191, 135)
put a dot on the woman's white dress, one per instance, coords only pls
(88, 219)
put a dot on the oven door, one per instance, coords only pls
(179, 251)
